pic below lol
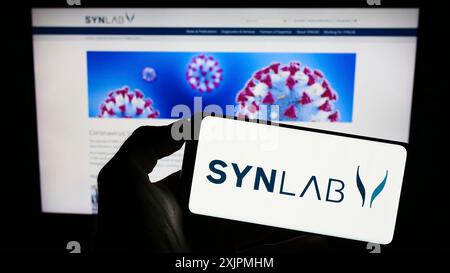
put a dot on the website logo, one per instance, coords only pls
(375, 193)
(109, 20)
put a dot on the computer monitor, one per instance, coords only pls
(101, 73)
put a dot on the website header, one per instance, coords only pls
(226, 18)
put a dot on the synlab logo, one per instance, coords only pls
(335, 187)
(375, 192)
(107, 20)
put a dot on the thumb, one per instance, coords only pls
(146, 146)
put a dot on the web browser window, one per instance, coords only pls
(101, 73)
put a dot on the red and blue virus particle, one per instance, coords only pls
(204, 73)
(148, 74)
(123, 103)
(301, 94)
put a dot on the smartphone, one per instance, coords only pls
(295, 178)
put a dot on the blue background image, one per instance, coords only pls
(111, 70)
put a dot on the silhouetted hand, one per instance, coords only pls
(136, 215)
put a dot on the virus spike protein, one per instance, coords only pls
(204, 73)
(302, 94)
(122, 103)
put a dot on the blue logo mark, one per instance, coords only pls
(375, 193)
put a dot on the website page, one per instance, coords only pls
(102, 73)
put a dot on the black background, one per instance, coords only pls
(422, 220)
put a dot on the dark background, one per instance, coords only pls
(422, 220)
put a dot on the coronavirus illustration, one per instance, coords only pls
(204, 73)
(148, 74)
(301, 94)
(123, 103)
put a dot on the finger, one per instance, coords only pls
(147, 145)
(177, 187)
(171, 182)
